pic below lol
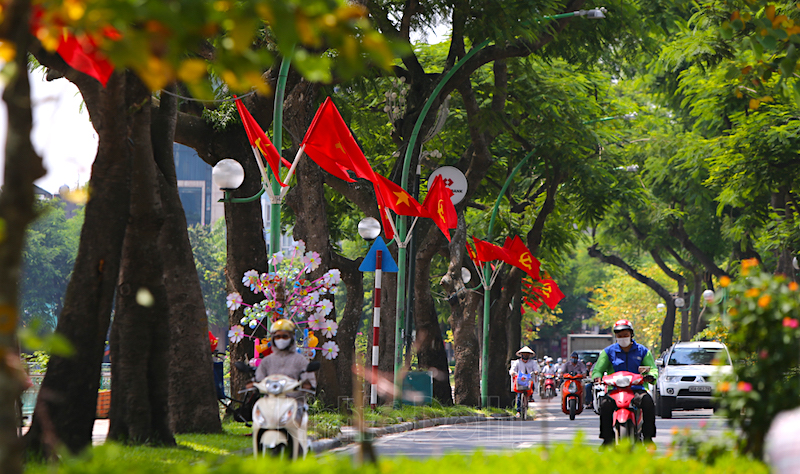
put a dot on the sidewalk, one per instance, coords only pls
(99, 432)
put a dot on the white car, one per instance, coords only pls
(687, 375)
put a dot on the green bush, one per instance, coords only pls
(576, 458)
(762, 319)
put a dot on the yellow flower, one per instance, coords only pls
(724, 281)
(749, 263)
(675, 431)
(724, 387)
(752, 292)
(733, 312)
(764, 301)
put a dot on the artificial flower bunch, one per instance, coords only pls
(290, 295)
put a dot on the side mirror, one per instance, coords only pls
(313, 366)
(660, 362)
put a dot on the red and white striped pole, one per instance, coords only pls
(376, 328)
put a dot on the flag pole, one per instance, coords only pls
(291, 170)
(277, 140)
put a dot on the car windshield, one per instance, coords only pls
(697, 356)
(589, 356)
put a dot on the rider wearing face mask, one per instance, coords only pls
(284, 359)
(526, 364)
(574, 365)
(626, 355)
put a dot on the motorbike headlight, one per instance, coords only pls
(258, 418)
(572, 388)
(622, 381)
(285, 418)
(671, 378)
(275, 387)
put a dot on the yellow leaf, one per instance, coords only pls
(746, 16)
(738, 94)
(256, 80)
(156, 73)
(735, 15)
(778, 20)
(754, 104)
(74, 9)
(7, 51)
(192, 70)
(304, 30)
(770, 12)
(766, 98)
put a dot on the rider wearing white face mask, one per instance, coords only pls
(626, 355)
(284, 359)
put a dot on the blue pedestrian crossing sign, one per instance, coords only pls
(388, 264)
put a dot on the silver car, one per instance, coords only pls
(687, 374)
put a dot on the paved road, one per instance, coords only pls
(550, 426)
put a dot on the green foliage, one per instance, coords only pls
(621, 298)
(763, 319)
(114, 459)
(701, 445)
(51, 245)
(209, 250)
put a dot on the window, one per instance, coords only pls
(697, 355)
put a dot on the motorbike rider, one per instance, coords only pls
(526, 364)
(284, 359)
(626, 355)
(574, 365)
(549, 369)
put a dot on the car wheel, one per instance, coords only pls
(665, 406)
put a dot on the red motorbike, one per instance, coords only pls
(572, 395)
(549, 386)
(627, 418)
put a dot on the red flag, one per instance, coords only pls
(440, 206)
(473, 256)
(82, 54)
(258, 139)
(330, 144)
(397, 199)
(385, 220)
(548, 293)
(486, 252)
(520, 257)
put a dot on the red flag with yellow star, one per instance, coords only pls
(258, 139)
(397, 199)
(487, 252)
(520, 257)
(440, 206)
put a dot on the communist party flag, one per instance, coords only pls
(520, 257)
(440, 206)
(547, 292)
(397, 199)
(258, 139)
(486, 252)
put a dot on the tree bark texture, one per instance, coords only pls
(193, 406)
(140, 336)
(22, 167)
(349, 321)
(429, 343)
(463, 304)
(67, 402)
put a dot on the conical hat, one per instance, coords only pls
(525, 350)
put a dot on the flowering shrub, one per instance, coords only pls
(762, 317)
(288, 294)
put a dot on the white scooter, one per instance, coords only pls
(598, 392)
(280, 422)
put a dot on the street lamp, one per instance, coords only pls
(660, 307)
(708, 295)
(228, 175)
(466, 275)
(369, 228)
(679, 302)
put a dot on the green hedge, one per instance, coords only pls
(577, 458)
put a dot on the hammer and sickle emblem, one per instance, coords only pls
(260, 148)
(546, 290)
(526, 260)
(440, 210)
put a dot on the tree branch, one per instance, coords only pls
(619, 263)
(679, 233)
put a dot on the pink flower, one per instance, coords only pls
(234, 301)
(329, 328)
(330, 350)
(703, 423)
(316, 321)
(236, 333)
(250, 279)
(790, 322)
(744, 386)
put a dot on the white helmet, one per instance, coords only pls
(559, 360)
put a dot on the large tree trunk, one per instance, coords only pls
(244, 225)
(429, 342)
(140, 333)
(193, 406)
(65, 408)
(499, 379)
(22, 167)
(514, 329)
(463, 304)
(348, 322)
